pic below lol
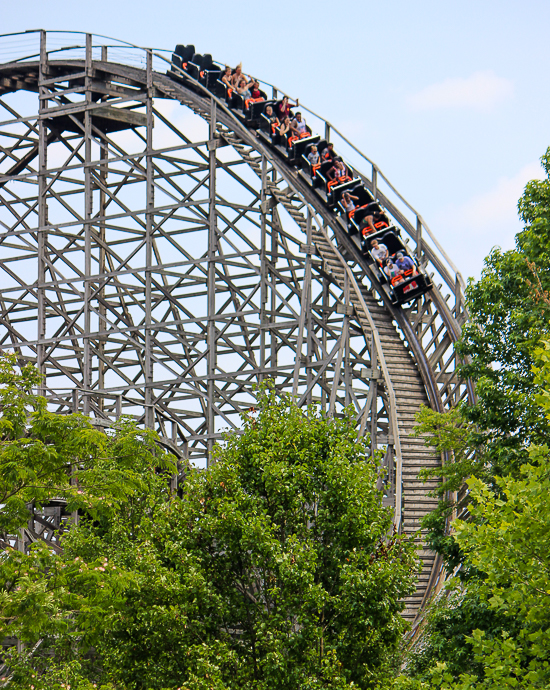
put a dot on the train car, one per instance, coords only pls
(401, 284)
(298, 146)
(333, 179)
(249, 110)
(361, 198)
(181, 56)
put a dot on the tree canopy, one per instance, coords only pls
(276, 568)
(492, 629)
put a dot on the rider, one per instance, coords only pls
(328, 154)
(394, 273)
(272, 118)
(405, 263)
(337, 174)
(373, 221)
(347, 202)
(379, 251)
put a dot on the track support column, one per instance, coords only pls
(211, 285)
(42, 210)
(88, 208)
(101, 307)
(264, 271)
(149, 229)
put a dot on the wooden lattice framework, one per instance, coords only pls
(158, 260)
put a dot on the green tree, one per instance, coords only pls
(507, 541)
(45, 455)
(509, 316)
(490, 440)
(508, 321)
(275, 568)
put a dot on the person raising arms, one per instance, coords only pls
(237, 75)
(347, 202)
(282, 109)
(243, 89)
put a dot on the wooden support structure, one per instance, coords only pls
(162, 271)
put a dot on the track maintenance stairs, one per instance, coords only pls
(409, 395)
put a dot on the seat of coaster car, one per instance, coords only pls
(194, 66)
(283, 141)
(362, 197)
(180, 57)
(323, 145)
(323, 170)
(176, 62)
(209, 72)
(185, 52)
(368, 210)
(254, 109)
(265, 123)
(207, 63)
(300, 145)
(336, 191)
(393, 242)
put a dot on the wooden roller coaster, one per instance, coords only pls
(158, 258)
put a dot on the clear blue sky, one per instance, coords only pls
(451, 99)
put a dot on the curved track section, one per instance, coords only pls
(158, 259)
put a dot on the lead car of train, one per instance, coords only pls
(402, 285)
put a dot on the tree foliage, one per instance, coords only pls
(509, 319)
(45, 455)
(276, 568)
(492, 629)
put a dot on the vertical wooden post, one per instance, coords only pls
(43, 105)
(374, 400)
(309, 319)
(304, 309)
(211, 286)
(88, 209)
(263, 270)
(149, 229)
(101, 307)
(347, 379)
(324, 317)
(418, 239)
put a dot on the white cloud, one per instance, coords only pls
(498, 205)
(469, 230)
(480, 91)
